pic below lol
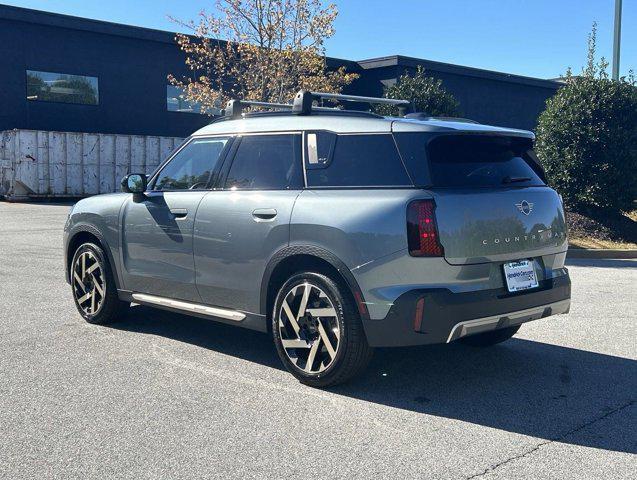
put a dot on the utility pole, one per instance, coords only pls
(617, 38)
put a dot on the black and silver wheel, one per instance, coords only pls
(318, 331)
(93, 287)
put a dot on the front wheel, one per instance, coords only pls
(318, 331)
(93, 286)
(493, 337)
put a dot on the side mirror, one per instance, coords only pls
(134, 183)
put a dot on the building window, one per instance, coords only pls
(62, 87)
(176, 101)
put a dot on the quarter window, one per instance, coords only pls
(193, 166)
(267, 162)
(62, 87)
(356, 161)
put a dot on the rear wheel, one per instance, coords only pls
(93, 286)
(318, 331)
(493, 337)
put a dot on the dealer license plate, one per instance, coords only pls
(520, 275)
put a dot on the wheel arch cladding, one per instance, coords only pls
(87, 233)
(298, 258)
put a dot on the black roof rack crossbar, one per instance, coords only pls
(234, 108)
(304, 99)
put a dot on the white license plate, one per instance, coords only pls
(520, 275)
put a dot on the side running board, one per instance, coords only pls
(189, 307)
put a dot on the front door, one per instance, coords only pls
(157, 230)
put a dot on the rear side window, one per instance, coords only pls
(481, 161)
(267, 162)
(354, 161)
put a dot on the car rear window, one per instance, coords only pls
(470, 160)
(361, 160)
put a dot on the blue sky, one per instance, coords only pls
(538, 38)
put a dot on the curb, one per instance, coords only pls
(600, 253)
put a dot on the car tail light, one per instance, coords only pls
(422, 233)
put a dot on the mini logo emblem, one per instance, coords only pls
(525, 207)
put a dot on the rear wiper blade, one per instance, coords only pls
(508, 179)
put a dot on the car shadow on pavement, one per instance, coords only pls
(541, 390)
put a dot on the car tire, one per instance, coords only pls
(93, 286)
(493, 337)
(318, 331)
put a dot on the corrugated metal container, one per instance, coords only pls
(36, 164)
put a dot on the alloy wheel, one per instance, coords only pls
(309, 328)
(89, 283)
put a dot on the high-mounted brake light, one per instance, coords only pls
(422, 233)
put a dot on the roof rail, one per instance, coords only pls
(304, 99)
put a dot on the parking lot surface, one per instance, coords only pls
(161, 395)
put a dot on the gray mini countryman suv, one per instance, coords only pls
(335, 231)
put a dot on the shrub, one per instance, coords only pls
(587, 138)
(426, 92)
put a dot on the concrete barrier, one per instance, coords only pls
(42, 164)
(600, 253)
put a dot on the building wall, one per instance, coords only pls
(132, 64)
(487, 99)
(131, 75)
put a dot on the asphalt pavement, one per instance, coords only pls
(161, 395)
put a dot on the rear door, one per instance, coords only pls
(157, 229)
(243, 223)
(492, 203)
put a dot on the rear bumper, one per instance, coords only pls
(447, 316)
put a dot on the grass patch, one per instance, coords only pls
(599, 229)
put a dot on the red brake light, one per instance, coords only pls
(422, 234)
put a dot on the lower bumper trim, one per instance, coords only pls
(448, 315)
(480, 325)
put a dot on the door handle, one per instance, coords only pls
(264, 214)
(179, 212)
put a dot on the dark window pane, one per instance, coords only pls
(361, 161)
(61, 87)
(481, 161)
(413, 151)
(192, 167)
(267, 162)
(176, 102)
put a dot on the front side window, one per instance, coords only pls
(267, 162)
(193, 166)
(367, 160)
(62, 87)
